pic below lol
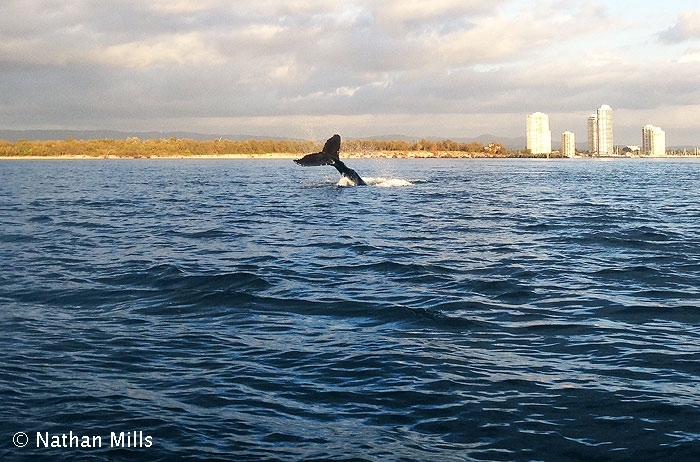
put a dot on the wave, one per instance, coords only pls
(170, 277)
(177, 293)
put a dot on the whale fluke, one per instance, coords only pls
(331, 156)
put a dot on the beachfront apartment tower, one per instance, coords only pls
(568, 144)
(593, 134)
(600, 132)
(653, 141)
(606, 144)
(539, 136)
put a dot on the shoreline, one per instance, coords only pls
(270, 156)
(348, 155)
(174, 148)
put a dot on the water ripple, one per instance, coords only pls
(249, 310)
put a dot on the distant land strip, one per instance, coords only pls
(255, 148)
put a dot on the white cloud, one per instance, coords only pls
(174, 49)
(414, 12)
(690, 56)
(177, 7)
(686, 29)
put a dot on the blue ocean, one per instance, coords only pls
(254, 310)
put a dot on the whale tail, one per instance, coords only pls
(329, 156)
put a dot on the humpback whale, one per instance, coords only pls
(331, 156)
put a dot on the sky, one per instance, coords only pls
(310, 68)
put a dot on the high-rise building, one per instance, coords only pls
(606, 143)
(600, 132)
(653, 141)
(539, 137)
(568, 144)
(593, 134)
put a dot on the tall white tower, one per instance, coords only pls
(653, 141)
(568, 144)
(606, 143)
(539, 136)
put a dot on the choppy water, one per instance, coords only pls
(253, 310)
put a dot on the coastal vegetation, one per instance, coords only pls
(177, 147)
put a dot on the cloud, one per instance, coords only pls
(686, 29)
(690, 56)
(183, 49)
(180, 63)
(178, 7)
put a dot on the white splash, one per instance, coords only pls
(345, 182)
(388, 182)
(379, 182)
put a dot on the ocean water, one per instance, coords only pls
(250, 310)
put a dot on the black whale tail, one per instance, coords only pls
(331, 156)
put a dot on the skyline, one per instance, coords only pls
(303, 69)
(600, 136)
